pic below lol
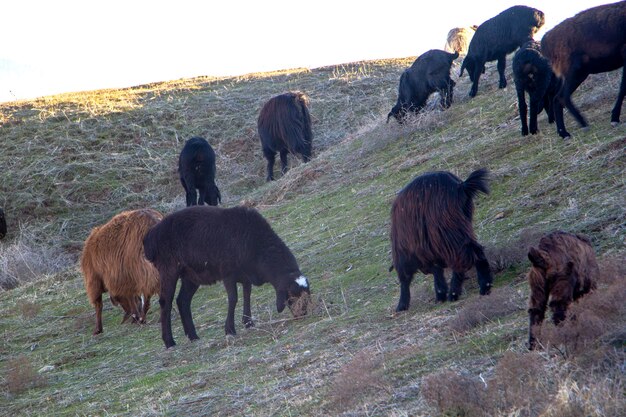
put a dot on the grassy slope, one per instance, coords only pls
(70, 162)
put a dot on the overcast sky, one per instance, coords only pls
(56, 46)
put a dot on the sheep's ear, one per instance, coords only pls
(281, 300)
(537, 258)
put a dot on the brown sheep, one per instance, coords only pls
(564, 268)
(431, 229)
(592, 42)
(458, 39)
(113, 261)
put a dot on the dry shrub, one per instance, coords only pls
(26, 260)
(590, 319)
(512, 253)
(454, 394)
(357, 379)
(21, 375)
(500, 303)
(596, 395)
(519, 386)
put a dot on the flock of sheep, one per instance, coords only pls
(141, 253)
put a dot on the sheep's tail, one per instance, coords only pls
(454, 56)
(478, 181)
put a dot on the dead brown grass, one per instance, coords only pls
(21, 375)
(357, 380)
(454, 394)
(476, 311)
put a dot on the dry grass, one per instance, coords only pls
(20, 375)
(500, 303)
(73, 161)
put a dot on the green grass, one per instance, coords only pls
(71, 162)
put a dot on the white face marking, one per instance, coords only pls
(302, 281)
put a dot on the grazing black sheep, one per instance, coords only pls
(431, 229)
(533, 75)
(497, 37)
(3, 224)
(196, 167)
(284, 126)
(429, 73)
(591, 42)
(202, 245)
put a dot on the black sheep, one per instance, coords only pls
(202, 245)
(591, 42)
(533, 75)
(431, 229)
(497, 37)
(196, 167)
(284, 126)
(429, 73)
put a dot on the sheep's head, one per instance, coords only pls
(297, 296)
(539, 20)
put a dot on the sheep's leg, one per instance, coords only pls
(166, 297)
(547, 105)
(501, 67)
(231, 290)
(456, 285)
(270, 156)
(183, 301)
(98, 306)
(190, 191)
(476, 76)
(483, 271)
(535, 318)
(441, 286)
(617, 109)
(247, 311)
(405, 276)
(144, 310)
(284, 164)
(523, 108)
(563, 99)
(202, 195)
(535, 109)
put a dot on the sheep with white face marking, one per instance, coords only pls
(202, 245)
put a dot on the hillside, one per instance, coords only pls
(70, 162)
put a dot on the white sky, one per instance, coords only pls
(56, 46)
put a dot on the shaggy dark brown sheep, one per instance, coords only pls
(564, 268)
(431, 229)
(113, 261)
(497, 37)
(284, 126)
(591, 42)
(202, 245)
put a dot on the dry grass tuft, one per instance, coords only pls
(520, 385)
(21, 375)
(512, 253)
(454, 394)
(25, 260)
(356, 380)
(476, 311)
